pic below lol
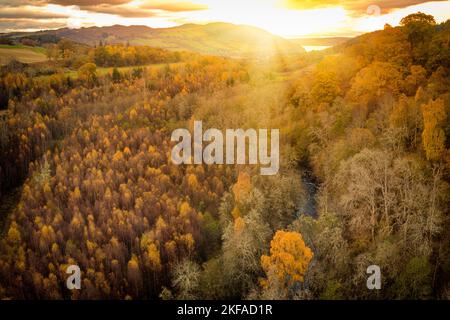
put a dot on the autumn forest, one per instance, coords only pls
(86, 177)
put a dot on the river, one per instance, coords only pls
(310, 186)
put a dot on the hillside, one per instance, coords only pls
(21, 53)
(222, 39)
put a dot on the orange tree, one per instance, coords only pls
(289, 258)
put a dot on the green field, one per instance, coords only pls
(21, 53)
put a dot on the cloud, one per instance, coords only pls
(25, 13)
(107, 5)
(80, 3)
(385, 5)
(354, 5)
(123, 8)
(11, 25)
(123, 11)
(33, 14)
(88, 3)
(174, 6)
(19, 3)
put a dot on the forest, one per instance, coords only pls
(86, 177)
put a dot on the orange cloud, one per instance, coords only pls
(175, 6)
(19, 3)
(123, 11)
(353, 5)
(121, 7)
(108, 5)
(82, 3)
(21, 13)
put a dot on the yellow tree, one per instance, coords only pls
(325, 87)
(242, 187)
(88, 73)
(289, 258)
(433, 135)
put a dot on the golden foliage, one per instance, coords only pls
(242, 187)
(289, 257)
(433, 136)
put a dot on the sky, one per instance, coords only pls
(286, 18)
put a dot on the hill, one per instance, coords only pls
(222, 39)
(21, 53)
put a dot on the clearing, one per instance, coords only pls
(21, 53)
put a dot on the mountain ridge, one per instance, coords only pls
(217, 38)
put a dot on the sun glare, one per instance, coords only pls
(270, 16)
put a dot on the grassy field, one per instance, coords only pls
(21, 53)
